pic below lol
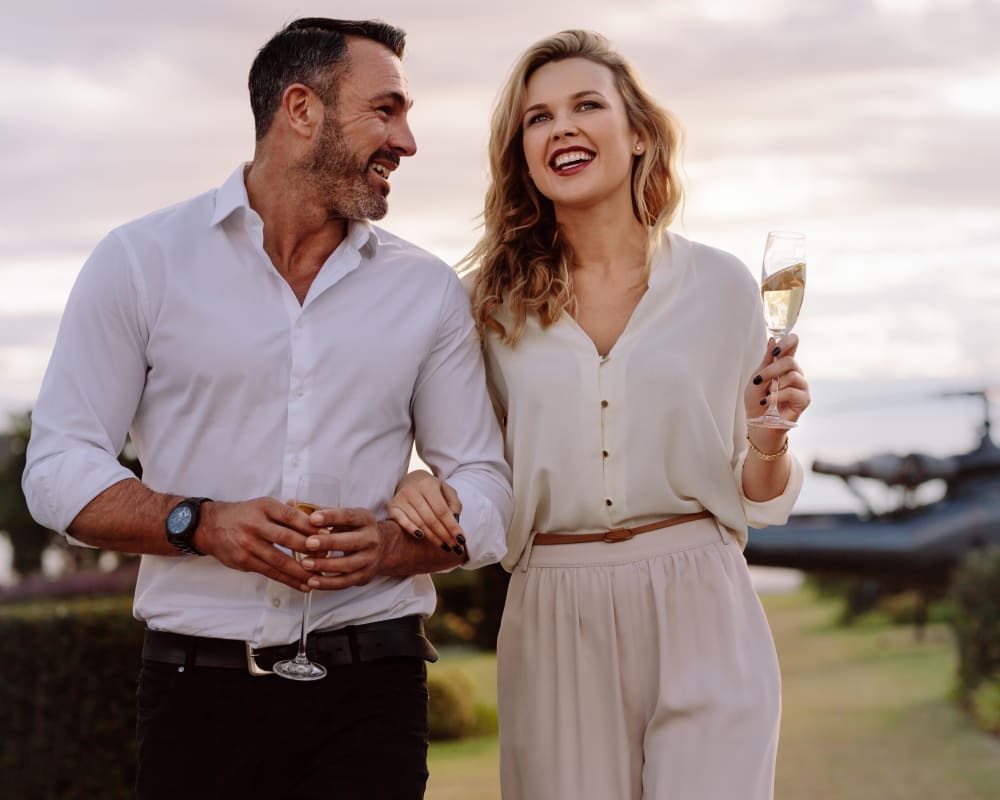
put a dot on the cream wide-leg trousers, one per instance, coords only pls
(640, 670)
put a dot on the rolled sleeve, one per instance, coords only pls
(90, 391)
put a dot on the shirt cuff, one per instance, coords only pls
(761, 513)
(485, 533)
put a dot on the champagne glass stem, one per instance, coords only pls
(772, 407)
(306, 606)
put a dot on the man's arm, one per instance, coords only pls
(73, 482)
(130, 517)
(457, 435)
(456, 431)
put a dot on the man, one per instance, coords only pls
(247, 336)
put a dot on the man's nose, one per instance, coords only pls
(402, 139)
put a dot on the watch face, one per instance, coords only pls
(179, 519)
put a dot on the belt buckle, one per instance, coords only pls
(252, 666)
(618, 535)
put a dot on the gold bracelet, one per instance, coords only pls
(767, 456)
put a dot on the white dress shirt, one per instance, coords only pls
(654, 429)
(180, 330)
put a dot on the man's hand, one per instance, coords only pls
(370, 549)
(351, 531)
(243, 536)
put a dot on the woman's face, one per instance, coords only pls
(578, 143)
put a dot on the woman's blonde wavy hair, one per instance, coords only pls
(524, 261)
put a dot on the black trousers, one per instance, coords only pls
(212, 733)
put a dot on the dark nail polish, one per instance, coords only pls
(757, 381)
(459, 551)
(776, 352)
(419, 534)
(446, 548)
(456, 517)
(461, 539)
(763, 402)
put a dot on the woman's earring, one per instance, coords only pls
(638, 147)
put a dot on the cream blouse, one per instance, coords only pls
(655, 428)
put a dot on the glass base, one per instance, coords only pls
(772, 421)
(297, 670)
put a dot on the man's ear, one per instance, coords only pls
(302, 109)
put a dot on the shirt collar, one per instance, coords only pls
(232, 196)
(363, 237)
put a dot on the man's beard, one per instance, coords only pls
(341, 179)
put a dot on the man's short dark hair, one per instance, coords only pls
(311, 51)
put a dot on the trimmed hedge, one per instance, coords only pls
(67, 699)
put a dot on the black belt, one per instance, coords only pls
(391, 638)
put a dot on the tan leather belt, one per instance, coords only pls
(616, 534)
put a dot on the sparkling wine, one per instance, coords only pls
(782, 293)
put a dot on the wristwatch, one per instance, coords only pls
(182, 522)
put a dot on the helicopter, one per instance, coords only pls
(913, 546)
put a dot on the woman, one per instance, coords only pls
(634, 661)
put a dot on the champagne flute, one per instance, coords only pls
(314, 491)
(782, 287)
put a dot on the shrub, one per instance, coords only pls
(487, 723)
(985, 702)
(976, 603)
(452, 703)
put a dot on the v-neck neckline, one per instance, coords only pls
(657, 265)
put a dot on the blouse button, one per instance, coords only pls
(604, 404)
(608, 502)
(604, 453)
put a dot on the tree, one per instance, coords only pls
(27, 537)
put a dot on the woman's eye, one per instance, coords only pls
(535, 118)
(587, 105)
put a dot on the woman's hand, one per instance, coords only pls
(778, 373)
(428, 508)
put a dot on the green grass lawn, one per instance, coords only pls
(866, 715)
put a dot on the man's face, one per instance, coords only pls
(363, 135)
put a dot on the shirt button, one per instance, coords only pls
(300, 392)
(604, 453)
(608, 502)
(604, 404)
(298, 324)
(295, 461)
(276, 602)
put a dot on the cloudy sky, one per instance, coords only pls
(871, 125)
